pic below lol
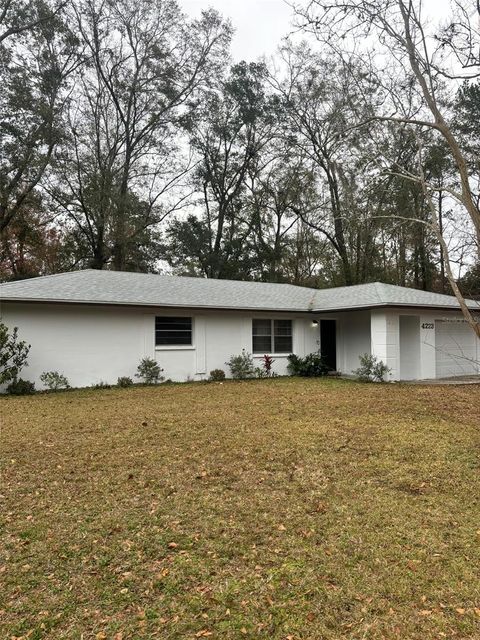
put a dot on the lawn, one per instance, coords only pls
(289, 509)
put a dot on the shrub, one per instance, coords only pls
(241, 366)
(310, 366)
(54, 380)
(21, 387)
(371, 369)
(101, 385)
(149, 371)
(265, 371)
(217, 375)
(13, 354)
(124, 381)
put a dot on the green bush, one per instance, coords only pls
(310, 366)
(241, 366)
(13, 354)
(149, 371)
(217, 375)
(371, 369)
(21, 387)
(54, 380)
(124, 381)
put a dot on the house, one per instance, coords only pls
(96, 325)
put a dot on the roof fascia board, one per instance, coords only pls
(308, 311)
(148, 305)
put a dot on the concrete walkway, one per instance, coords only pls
(456, 380)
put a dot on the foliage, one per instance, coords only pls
(124, 381)
(371, 369)
(33, 244)
(470, 282)
(101, 385)
(241, 366)
(267, 364)
(266, 371)
(36, 60)
(231, 125)
(13, 354)
(149, 371)
(21, 387)
(120, 117)
(120, 173)
(54, 380)
(217, 375)
(312, 365)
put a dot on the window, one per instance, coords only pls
(262, 336)
(282, 336)
(173, 331)
(272, 336)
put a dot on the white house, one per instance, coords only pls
(95, 326)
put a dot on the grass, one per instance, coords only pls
(287, 509)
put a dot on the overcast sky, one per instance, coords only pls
(261, 24)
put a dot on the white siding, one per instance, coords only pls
(437, 353)
(409, 347)
(90, 344)
(354, 331)
(385, 339)
(86, 344)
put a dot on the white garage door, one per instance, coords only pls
(456, 349)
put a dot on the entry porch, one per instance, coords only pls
(414, 344)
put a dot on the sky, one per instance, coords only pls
(260, 24)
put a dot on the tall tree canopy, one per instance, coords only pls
(130, 140)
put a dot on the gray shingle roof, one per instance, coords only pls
(115, 287)
(378, 294)
(121, 288)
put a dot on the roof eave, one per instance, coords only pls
(150, 305)
(391, 305)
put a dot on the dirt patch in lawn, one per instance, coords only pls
(286, 509)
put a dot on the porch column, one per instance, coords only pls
(427, 346)
(385, 337)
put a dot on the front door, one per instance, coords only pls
(328, 343)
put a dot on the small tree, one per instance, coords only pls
(54, 380)
(149, 371)
(13, 354)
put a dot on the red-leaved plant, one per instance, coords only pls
(267, 362)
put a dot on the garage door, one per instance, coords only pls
(456, 349)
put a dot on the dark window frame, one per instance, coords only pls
(277, 334)
(175, 331)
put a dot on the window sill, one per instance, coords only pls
(167, 347)
(259, 356)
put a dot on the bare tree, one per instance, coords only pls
(400, 26)
(146, 63)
